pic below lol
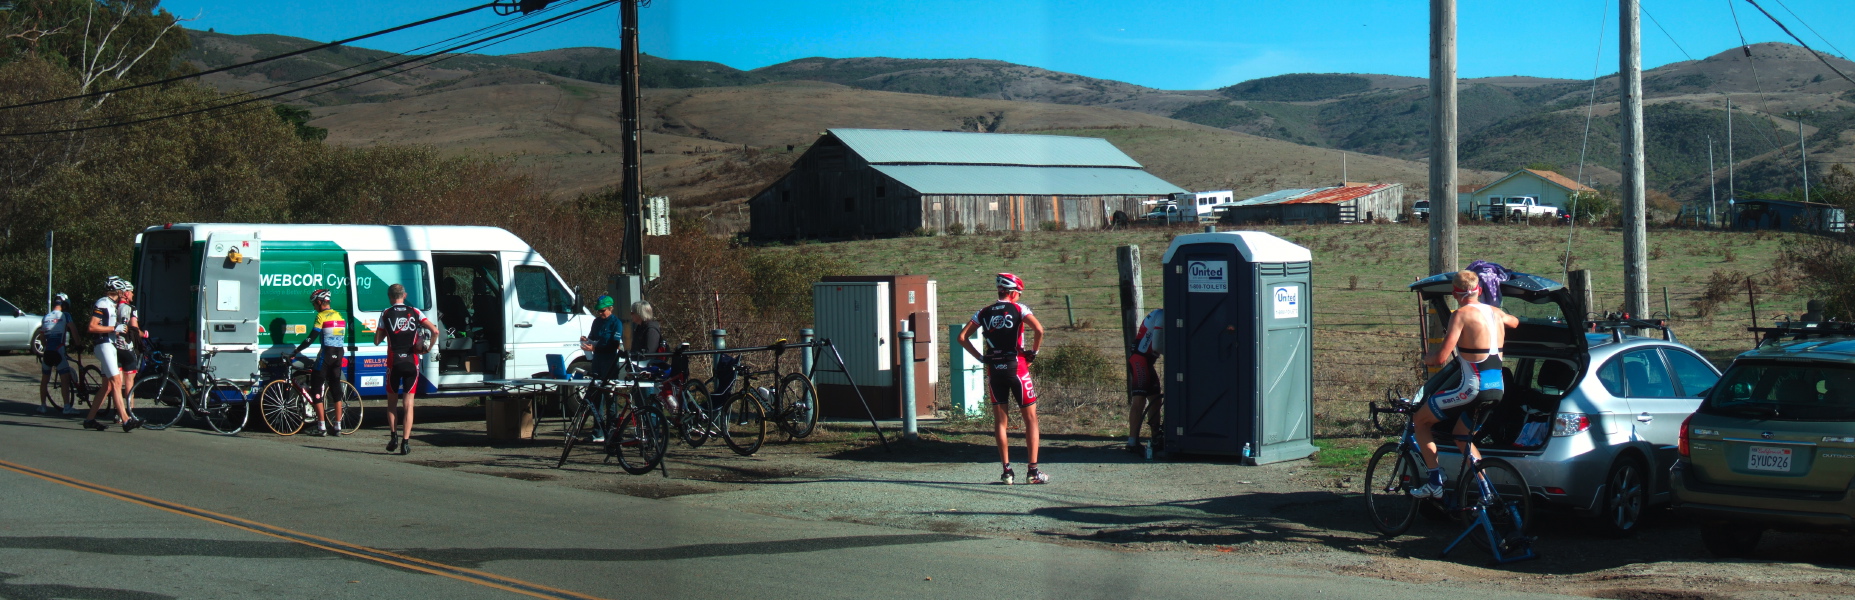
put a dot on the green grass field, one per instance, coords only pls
(1366, 333)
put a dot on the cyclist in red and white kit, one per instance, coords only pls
(1008, 368)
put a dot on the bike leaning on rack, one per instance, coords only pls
(1491, 498)
(633, 424)
(162, 395)
(791, 403)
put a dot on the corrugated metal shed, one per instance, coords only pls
(1276, 196)
(888, 146)
(1030, 181)
(1336, 195)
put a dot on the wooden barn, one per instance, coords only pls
(1344, 203)
(877, 182)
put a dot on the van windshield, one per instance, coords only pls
(1785, 391)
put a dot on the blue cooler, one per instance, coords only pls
(557, 366)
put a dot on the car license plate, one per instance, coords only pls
(1764, 458)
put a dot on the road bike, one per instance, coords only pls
(636, 430)
(1491, 498)
(696, 416)
(285, 405)
(162, 394)
(790, 404)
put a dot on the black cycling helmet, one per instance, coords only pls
(61, 300)
(321, 296)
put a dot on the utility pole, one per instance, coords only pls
(628, 287)
(1443, 211)
(1635, 231)
(1731, 191)
(1713, 194)
(1343, 177)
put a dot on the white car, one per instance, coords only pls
(16, 327)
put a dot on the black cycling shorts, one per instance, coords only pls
(403, 376)
(328, 367)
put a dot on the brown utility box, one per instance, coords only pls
(509, 418)
(869, 337)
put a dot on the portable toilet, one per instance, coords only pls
(1239, 366)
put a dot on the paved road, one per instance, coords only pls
(184, 513)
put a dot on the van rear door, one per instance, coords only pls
(373, 272)
(229, 282)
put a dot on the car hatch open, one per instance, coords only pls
(1550, 321)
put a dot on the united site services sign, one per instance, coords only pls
(1208, 276)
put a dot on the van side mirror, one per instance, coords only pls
(576, 298)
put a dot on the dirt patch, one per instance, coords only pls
(1628, 594)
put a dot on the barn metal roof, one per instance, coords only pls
(1275, 196)
(1338, 194)
(891, 146)
(1029, 181)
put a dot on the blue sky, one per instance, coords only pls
(1179, 44)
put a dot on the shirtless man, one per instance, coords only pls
(1476, 333)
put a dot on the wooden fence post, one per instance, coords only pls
(1133, 300)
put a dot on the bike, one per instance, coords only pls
(636, 432)
(165, 395)
(285, 406)
(695, 415)
(791, 404)
(1495, 505)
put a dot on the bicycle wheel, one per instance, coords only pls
(158, 401)
(1388, 479)
(798, 405)
(90, 385)
(575, 426)
(1506, 499)
(225, 407)
(744, 426)
(281, 408)
(641, 436)
(353, 408)
(697, 410)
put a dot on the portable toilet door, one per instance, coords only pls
(1239, 368)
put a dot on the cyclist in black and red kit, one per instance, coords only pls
(1008, 368)
(399, 328)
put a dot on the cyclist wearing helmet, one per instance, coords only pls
(1143, 385)
(1008, 368)
(55, 332)
(128, 355)
(332, 331)
(106, 324)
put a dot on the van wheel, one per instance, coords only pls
(1626, 495)
(1730, 540)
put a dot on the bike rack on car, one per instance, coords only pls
(1615, 324)
(1800, 330)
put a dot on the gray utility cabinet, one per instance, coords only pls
(1239, 365)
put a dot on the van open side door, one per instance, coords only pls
(229, 280)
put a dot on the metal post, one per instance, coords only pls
(1210, 229)
(805, 354)
(1666, 313)
(1070, 307)
(1635, 231)
(48, 271)
(718, 339)
(1752, 302)
(1731, 192)
(1713, 195)
(631, 194)
(1443, 209)
(908, 386)
(1804, 152)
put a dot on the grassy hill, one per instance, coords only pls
(1365, 335)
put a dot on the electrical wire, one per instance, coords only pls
(1800, 42)
(458, 48)
(1597, 65)
(297, 52)
(1806, 24)
(1671, 37)
(497, 25)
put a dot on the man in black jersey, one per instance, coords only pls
(399, 327)
(1008, 368)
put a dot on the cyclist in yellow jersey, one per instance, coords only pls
(332, 331)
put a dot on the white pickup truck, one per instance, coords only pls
(1519, 207)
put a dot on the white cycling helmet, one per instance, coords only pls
(118, 284)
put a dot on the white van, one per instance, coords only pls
(243, 289)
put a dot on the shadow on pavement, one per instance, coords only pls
(53, 590)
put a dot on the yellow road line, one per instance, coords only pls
(492, 580)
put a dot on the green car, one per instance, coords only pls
(1773, 444)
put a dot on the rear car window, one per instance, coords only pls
(1785, 391)
(1695, 376)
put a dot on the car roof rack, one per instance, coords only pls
(1800, 330)
(1615, 324)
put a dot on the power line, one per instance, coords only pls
(523, 31)
(498, 25)
(1800, 42)
(1671, 37)
(1806, 24)
(253, 62)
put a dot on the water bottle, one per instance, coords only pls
(1246, 450)
(1149, 451)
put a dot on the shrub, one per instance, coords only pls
(957, 228)
(1050, 226)
(1075, 364)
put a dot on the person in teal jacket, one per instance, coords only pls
(605, 342)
